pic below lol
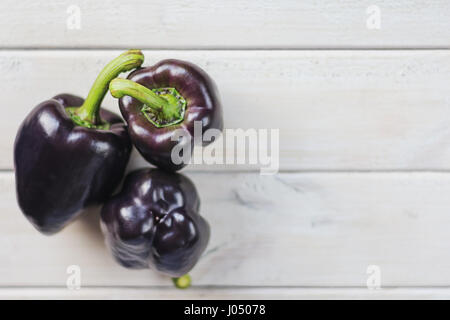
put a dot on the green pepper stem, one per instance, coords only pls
(162, 106)
(182, 282)
(123, 87)
(89, 111)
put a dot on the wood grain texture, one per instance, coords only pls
(296, 230)
(355, 127)
(224, 24)
(336, 110)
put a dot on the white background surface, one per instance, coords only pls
(364, 144)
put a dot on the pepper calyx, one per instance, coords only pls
(71, 112)
(163, 107)
(170, 114)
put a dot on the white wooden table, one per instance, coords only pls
(364, 119)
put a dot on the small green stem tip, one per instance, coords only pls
(182, 282)
(88, 114)
(162, 106)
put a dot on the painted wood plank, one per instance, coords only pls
(336, 110)
(293, 229)
(223, 24)
(225, 293)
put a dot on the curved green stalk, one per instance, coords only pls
(89, 112)
(162, 106)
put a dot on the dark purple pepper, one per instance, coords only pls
(70, 154)
(154, 223)
(181, 93)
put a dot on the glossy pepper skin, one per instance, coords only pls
(61, 167)
(202, 104)
(154, 223)
(69, 153)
